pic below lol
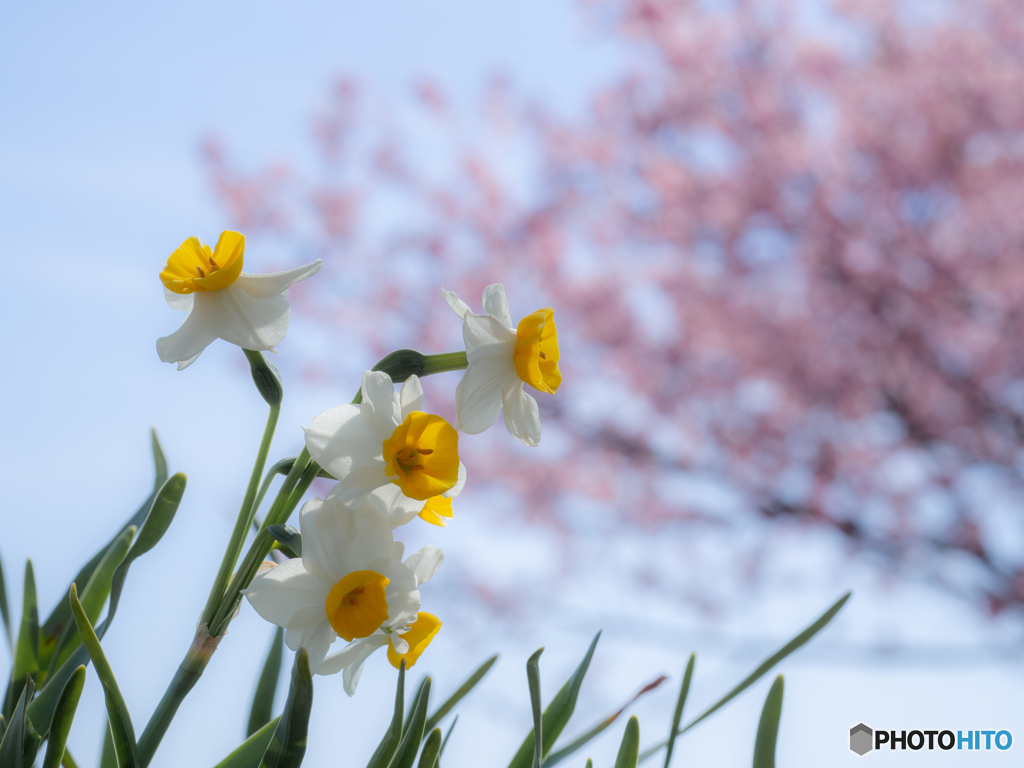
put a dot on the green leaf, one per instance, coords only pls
(410, 744)
(5, 612)
(446, 737)
(63, 716)
(68, 761)
(533, 679)
(557, 715)
(677, 716)
(288, 538)
(768, 727)
(157, 521)
(108, 757)
(463, 689)
(431, 749)
(60, 617)
(26, 653)
(263, 700)
(288, 745)
(556, 757)
(12, 745)
(249, 754)
(590, 763)
(386, 749)
(120, 721)
(766, 665)
(629, 749)
(159, 460)
(93, 596)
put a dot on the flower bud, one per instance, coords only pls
(265, 377)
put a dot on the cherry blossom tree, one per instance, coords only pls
(784, 248)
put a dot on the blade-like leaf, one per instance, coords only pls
(288, 745)
(165, 505)
(463, 689)
(557, 715)
(533, 679)
(764, 667)
(249, 754)
(590, 763)
(63, 716)
(556, 757)
(120, 721)
(108, 756)
(768, 727)
(413, 735)
(11, 747)
(5, 612)
(68, 761)
(431, 749)
(677, 716)
(159, 460)
(93, 596)
(288, 539)
(386, 749)
(446, 737)
(629, 749)
(61, 614)
(26, 653)
(263, 701)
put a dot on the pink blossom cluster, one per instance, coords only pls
(786, 253)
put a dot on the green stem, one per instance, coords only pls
(245, 513)
(303, 472)
(188, 674)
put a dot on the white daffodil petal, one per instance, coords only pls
(424, 564)
(402, 594)
(319, 643)
(359, 482)
(496, 305)
(379, 407)
(478, 396)
(456, 489)
(411, 396)
(355, 669)
(286, 588)
(399, 643)
(303, 625)
(398, 507)
(340, 441)
(183, 364)
(481, 331)
(275, 283)
(251, 323)
(338, 660)
(522, 416)
(459, 307)
(337, 540)
(196, 333)
(180, 301)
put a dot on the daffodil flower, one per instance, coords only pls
(350, 582)
(502, 359)
(387, 448)
(250, 311)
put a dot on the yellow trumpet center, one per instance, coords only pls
(195, 267)
(357, 605)
(422, 456)
(536, 355)
(418, 637)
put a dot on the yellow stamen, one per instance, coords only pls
(436, 510)
(536, 355)
(422, 456)
(194, 267)
(356, 605)
(418, 637)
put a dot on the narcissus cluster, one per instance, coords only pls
(394, 461)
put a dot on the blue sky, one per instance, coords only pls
(103, 108)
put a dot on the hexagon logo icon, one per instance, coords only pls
(861, 740)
